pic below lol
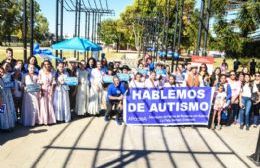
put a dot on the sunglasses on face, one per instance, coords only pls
(232, 75)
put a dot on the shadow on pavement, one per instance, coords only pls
(18, 132)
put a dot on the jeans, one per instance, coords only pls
(255, 110)
(244, 113)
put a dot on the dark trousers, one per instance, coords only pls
(234, 113)
(18, 106)
(114, 107)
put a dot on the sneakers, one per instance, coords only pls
(118, 122)
(247, 128)
(241, 127)
(106, 118)
(219, 127)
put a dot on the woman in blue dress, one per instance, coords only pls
(61, 102)
(7, 120)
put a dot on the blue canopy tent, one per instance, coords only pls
(76, 43)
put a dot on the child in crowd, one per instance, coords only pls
(219, 104)
(17, 92)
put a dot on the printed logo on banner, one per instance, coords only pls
(123, 77)
(71, 81)
(168, 106)
(143, 71)
(107, 79)
(2, 108)
(33, 88)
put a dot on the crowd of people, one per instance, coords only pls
(39, 95)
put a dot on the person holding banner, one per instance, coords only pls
(82, 96)
(7, 121)
(9, 85)
(30, 105)
(96, 89)
(115, 94)
(61, 101)
(47, 81)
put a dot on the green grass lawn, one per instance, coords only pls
(111, 55)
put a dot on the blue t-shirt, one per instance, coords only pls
(115, 91)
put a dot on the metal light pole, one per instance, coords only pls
(25, 30)
(175, 31)
(32, 26)
(167, 27)
(61, 23)
(200, 26)
(180, 31)
(76, 23)
(57, 26)
(207, 28)
(79, 14)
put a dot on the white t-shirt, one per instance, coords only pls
(246, 90)
(168, 85)
(136, 84)
(220, 99)
(148, 83)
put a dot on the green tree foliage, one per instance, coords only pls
(11, 20)
(232, 37)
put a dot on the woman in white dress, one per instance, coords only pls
(137, 81)
(151, 82)
(61, 102)
(30, 107)
(82, 90)
(95, 96)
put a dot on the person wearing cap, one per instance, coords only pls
(193, 78)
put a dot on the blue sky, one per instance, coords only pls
(48, 8)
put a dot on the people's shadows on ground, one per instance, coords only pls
(18, 132)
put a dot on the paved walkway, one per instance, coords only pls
(90, 142)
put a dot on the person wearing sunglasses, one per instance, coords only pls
(235, 89)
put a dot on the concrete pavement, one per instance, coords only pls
(90, 142)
